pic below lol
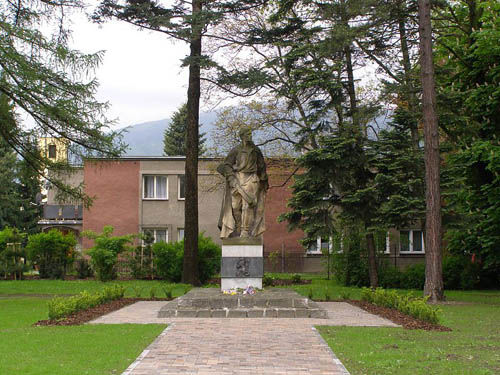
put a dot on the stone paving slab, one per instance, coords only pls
(226, 346)
(238, 346)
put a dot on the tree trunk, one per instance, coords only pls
(409, 89)
(190, 266)
(433, 257)
(372, 260)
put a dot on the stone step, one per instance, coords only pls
(243, 313)
(273, 303)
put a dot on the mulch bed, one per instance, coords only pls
(398, 317)
(85, 316)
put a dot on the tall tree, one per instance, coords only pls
(174, 138)
(467, 68)
(434, 287)
(186, 21)
(43, 77)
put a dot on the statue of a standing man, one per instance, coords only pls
(244, 169)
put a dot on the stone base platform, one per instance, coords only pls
(272, 303)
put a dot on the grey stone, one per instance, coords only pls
(270, 313)
(216, 303)
(187, 313)
(286, 313)
(237, 314)
(318, 314)
(230, 302)
(301, 313)
(244, 267)
(281, 302)
(201, 302)
(166, 313)
(219, 313)
(247, 301)
(255, 313)
(205, 313)
(231, 241)
(300, 303)
(184, 302)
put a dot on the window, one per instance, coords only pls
(180, 234)
(155, 187)
(159, 235)
(411, 241)
(181, 187)
(321, 246)
(52, 151)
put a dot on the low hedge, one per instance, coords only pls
(407, 304)
(61, 307)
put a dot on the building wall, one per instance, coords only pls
(277, 237)
(74, 178)
(115, 187)
(169, 214)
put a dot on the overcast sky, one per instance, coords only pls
(141, 75)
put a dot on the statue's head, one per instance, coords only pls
(245, 134)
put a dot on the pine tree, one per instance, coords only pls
(174, 138)
(52, 84)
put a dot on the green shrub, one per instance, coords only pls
(169, 259)
(152, 293)
(267, 280)
(413, 277)
(328, 294)
(61, 307)
(310, 294)
(350, 266)
(296, 278)
(390, 277)
(11, 253)
(137, 291)
(345, 294)
(168, 291)
(104, 254)
(460, 273)
(140, 258)
(51, 251)
(408, 304)
(82, 268)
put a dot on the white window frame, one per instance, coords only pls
(387, 243)
(319, 250)
(179, 187)
(154, 230)
(410, 242)
(179, 234)
(155, 195)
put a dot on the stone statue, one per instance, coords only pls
(244, 168)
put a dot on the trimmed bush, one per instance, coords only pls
(408, 304)
(60, 307)
(460, 273)
(11, 252)
(169, 258)
(51, 251)
(104, 254)
(413, 277)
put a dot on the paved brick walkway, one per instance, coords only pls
(239, 346)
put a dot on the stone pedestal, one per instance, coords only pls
(242, 263)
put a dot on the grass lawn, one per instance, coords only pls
(473, 347)
(51, 287)
(77, 350)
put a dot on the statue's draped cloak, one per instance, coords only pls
(247, 159)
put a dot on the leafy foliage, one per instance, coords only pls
(61, 307)
(52, 252)
(53, 85)
(414, 306)
(469, 93)
(104, 253)
(11, 252)
(169, 259)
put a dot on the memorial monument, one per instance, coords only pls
(241, 218)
